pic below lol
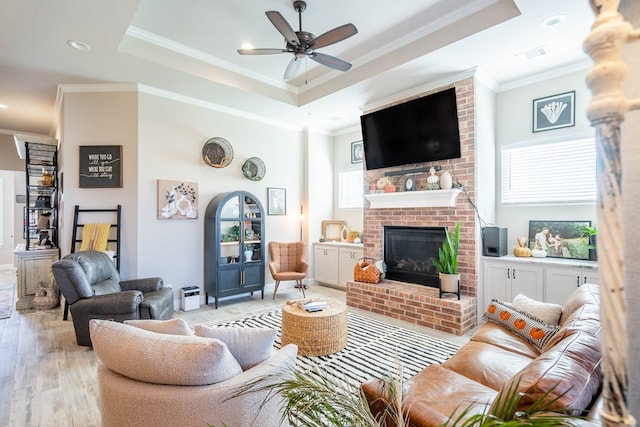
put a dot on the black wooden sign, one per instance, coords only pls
(101, 166)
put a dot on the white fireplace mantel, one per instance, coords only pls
(413, 199)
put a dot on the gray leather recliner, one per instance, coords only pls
(92, 287)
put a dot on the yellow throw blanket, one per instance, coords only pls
(95, 237)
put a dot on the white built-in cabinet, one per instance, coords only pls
(334, 262)
(559, 282)
(505, 280)
(544, 279)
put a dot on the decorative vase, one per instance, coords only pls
(449, 282)
(248, 255)
(47, 179)
(446, 181)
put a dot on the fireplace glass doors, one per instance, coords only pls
(409, 253)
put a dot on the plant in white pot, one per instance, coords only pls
(447, 262)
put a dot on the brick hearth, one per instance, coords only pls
(415, 304)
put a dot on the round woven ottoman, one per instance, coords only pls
(315, 333)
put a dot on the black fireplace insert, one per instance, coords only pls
(409, 254)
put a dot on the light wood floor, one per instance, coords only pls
(47, 380)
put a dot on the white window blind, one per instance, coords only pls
(350, 191)
(561, 172)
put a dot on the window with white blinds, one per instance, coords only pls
(561, 172)
(350, 189)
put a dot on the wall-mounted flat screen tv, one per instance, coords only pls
(417, 131)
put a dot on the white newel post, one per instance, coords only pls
(606, 112)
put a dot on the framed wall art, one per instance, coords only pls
(177, 199)
(560, 239)
(276, 201)
(332, 230)
(100, 166)
(554, 112)
(357, 152)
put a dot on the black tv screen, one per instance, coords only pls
(417, 131)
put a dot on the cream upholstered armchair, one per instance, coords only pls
(159, 373)
(287, 263)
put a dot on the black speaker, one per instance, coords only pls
(494, 241)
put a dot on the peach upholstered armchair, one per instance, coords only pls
(287, 263)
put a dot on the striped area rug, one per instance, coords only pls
(373, 349)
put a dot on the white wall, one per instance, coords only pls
(342, 162)
(171, 136)
(163, 139)
(100, 118)
(319, 162)
(485, 129)
(514, 119)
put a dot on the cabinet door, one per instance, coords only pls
(252, 274)
(228, 279)
(326, 265)
(496, 278)
(348, 259)
(560, 282)
(590, 275)
(527, 280)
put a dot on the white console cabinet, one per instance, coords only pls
(544, 279)
(334, 262)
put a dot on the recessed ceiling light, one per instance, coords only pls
(553, 20)
(3, 106)
(78, 45)
(246, 46)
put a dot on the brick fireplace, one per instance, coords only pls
(413, 302)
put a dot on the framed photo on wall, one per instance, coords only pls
(357, 152)
(276, 201)
(554, 112)
(100, 166)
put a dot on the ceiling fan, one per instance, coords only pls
(304, 44)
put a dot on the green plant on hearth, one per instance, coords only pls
(447, 262)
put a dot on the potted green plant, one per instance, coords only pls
(447, 262)
(590, 233)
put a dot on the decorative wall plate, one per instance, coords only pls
(217, 152)
(254, 169)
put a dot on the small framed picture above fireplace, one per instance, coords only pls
(560, 239)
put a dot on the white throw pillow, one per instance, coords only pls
(547, 312)
(249, 346)
(171, 326)
(160, 358)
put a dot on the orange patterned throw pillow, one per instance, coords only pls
(522, 324)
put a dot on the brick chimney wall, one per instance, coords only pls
(463, 171)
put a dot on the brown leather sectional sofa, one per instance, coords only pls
(495, 357)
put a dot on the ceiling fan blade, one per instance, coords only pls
(293, 68)
(334, 36)
(260, 51)
(283, 27)
(330, 61)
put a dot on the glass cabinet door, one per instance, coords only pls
(229, 241)
(252, 230)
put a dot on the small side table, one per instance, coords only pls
(315, 333)
(34, 271)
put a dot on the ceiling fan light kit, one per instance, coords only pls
(303, 44)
